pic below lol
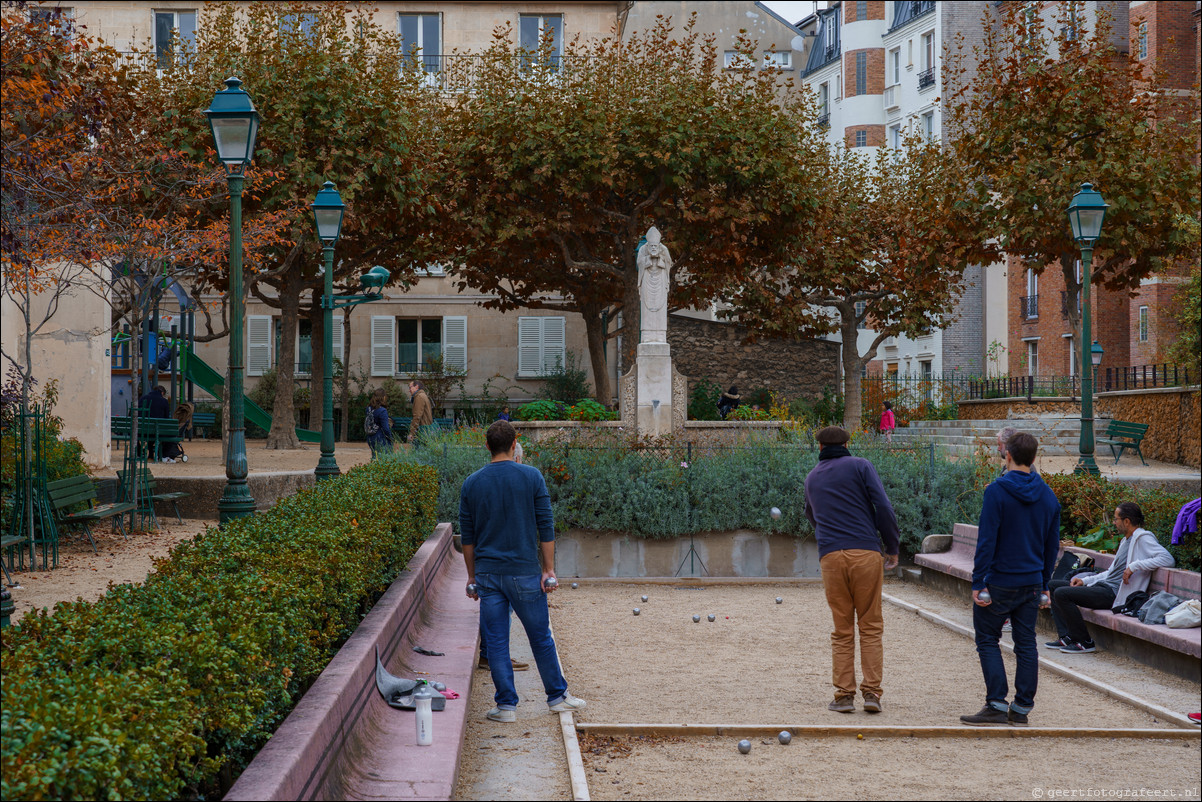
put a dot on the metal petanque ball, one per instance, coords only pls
(644, 598)
(696, 619)
(575, 585)
(779, 600)
(775, 513)
(551, 582)
(637, 611)
(785, 737)
(710, 617)
(745, 746)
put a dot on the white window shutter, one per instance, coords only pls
(259, 343)
(336, 340)
(554, 343)
(383, 345)
(454, 343)
(530, 353)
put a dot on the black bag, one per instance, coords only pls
(1068, 561)
(1131, 606)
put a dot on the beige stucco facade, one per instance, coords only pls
(72, 349)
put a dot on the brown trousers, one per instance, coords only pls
(853, 579)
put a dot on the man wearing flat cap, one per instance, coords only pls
(846, 503)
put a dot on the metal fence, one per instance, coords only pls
(1145, 376)
(1138, 377)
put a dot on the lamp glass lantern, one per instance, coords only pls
(1095, 353)
(1086, 214)
(328, 209)
(235, 125)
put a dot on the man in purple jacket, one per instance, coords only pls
(846, 503)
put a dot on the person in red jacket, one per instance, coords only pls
(888, 422)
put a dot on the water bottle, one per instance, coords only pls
(423, 700)
(984, 596)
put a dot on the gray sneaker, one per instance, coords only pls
(843, 704)
(872, 703)
(569, 704)
(989, 716)
(503, 715)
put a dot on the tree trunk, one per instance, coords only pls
(1068, 268)
(283, 410)
(632, 311)
(346, 375)
(317, 369)
(852, 403)
(596, 352)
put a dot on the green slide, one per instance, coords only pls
(197, 370)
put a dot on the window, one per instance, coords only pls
(824, 99)
(1032, 357)
(928, 50)
(533, 29)
(259, 341)
(861, 139)
(406, 345)
(54, 15)
(304, 22)
(1032, 282)
(1072, 355)
(1070, 30)
(928, 125)
(1143, 40)
(861, 306)
(895, 136)
(541, 345)
(778, 59)
(420, 33)
(861, 9)
(895, 66)
(734, 60)
(924, 369)
(861, 73)
(166, 25)
(1143, 324)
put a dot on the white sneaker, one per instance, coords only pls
(569, 704)
(1006, 626)
(504, 716)
(168, 459)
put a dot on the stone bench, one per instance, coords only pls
(947, 562)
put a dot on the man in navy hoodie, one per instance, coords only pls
(1018, 537)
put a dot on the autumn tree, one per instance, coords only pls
(560, 164)
(336, 105)
(1046, 104)
(890, 241)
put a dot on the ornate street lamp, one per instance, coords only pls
(235, 124)
(1086, 214)
(328, 209)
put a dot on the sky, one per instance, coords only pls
(793, 10)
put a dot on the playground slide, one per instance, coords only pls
(199, 372)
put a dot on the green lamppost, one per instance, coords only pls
(327, 214)
(1086, 214)
(235, 124)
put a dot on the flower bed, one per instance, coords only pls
(167, 689)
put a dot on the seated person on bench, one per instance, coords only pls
(1138, 555)
(156, 402)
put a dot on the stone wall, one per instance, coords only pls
(1173, 415)
(797, 368)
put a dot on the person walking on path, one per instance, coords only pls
(1138, 555)
(508, 533)
(888, 422)
(1018, 537)
(846, 503)
(377, 424)
(423, 412)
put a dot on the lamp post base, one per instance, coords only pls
(327, 468)
(235, 503)
(1086, 464)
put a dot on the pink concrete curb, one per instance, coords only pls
(341, 740)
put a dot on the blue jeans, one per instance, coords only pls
(1021, 606)
(498, 593)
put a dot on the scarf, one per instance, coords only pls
(832, 452)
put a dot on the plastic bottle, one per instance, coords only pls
(423, 700)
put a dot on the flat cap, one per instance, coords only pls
(833, 436)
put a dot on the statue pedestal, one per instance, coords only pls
(654, 390)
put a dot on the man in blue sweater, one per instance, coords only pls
(508, 534)
(1018, 537)
(846, 503)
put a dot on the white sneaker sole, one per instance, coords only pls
(502, 716)
(564, 707)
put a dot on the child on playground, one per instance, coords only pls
(888, 422)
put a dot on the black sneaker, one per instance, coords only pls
(1059, 643)
(989, 716)
(1082, 647)
(1016, 718)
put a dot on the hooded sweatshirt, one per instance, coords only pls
(1018, 535)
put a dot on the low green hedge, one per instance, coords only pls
(666, 493)
(167, 689)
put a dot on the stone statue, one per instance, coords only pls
(655, 265)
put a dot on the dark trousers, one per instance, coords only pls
(1021, 606)
(1067, 602)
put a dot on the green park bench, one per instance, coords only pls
(1121, 435)
(400, 429)
(9, 542)
(202, 420)
(68, 493)
(148, 497)
(446, 424)
(152, 432)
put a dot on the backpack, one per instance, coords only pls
(1133, 603)
(370, 426)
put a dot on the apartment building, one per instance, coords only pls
(876, 69)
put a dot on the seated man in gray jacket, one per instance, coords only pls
(1138, 555)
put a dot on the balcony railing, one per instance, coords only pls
(1028, 306)
(926, 78)
(1064, 304)
(824, 120)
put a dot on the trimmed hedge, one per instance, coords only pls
(167, 689)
